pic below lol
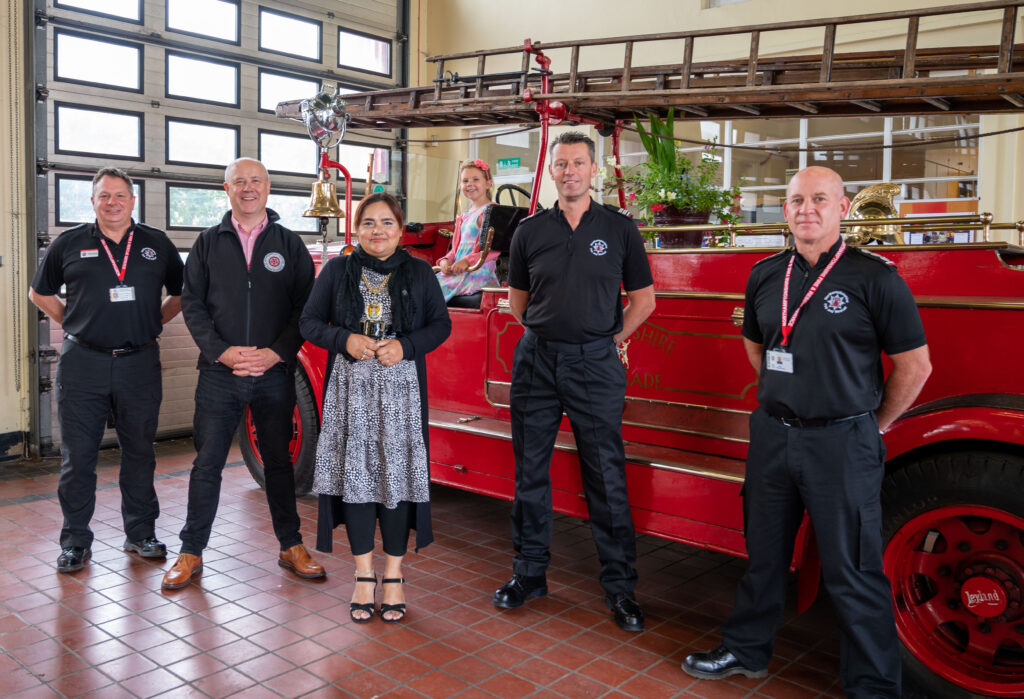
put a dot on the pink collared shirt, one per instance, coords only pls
(248, 238)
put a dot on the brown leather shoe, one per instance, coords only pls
(298, 560)
(182, 571)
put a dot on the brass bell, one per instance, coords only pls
(324, 201)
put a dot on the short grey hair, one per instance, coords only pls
(113, 172)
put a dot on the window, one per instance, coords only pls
(192, 142)
(202, 79)
(281, 87)
(190, 206)
(290, 207)
(107, 132)
(287, 153)
(290, 34)
(364, 52)
(130, 10)
(356, 158)
(73, 205)
(215, 19)
(82, 59)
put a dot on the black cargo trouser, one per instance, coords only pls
(835, 472)
(89, 385)
(588, 382)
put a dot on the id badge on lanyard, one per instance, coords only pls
(780, 359)
(122, 292)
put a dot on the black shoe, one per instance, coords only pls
(73, 558)
(518, 589)
(628, 614)
(147, 548)
(717, 664)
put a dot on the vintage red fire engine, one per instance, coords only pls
(952, 497)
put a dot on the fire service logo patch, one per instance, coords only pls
(274, 261)
(149, 254)
(836, 302)
(598, 247)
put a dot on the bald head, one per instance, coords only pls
(248, 186)
(820, 176)
(815, 204)
(234, 164)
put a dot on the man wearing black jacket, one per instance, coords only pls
(246, 281)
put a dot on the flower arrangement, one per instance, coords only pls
(669, 179)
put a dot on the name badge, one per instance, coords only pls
(95, 252)
(122, 293)
(779, 360)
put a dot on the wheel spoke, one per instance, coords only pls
(955, 530)
(925, 563)
(982, 647)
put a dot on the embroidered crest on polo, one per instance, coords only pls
(149, 254)
(274, 261)
(836, 302)
(598, 247)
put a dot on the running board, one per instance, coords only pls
(653, 456)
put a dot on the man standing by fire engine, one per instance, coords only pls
(246, 281)
(114, 272)
(567, 267)
(817, 319)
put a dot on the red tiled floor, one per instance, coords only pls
(246, 628)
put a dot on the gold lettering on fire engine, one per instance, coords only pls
(655, 338)
(643, 380)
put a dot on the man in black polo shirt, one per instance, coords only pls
(816, 321)
(246, 281)
(566, 270)
(114, 271)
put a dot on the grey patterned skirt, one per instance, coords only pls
(371, 440)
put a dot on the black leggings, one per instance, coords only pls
(361, 522)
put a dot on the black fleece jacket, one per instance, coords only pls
(226, 303)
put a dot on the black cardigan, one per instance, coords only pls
(321, 324)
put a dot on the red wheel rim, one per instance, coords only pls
(957, 578)
(294, 444)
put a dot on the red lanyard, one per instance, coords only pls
(788, 327)
(124, 262)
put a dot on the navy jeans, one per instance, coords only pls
(90, 385)
(221, 398)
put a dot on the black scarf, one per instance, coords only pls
(350, 300)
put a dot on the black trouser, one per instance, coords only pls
(89, 385)
(588, 382)
(361, 522)
(835, 472)
(221, 398)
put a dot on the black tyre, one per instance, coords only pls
(954, 533)
(302, 448)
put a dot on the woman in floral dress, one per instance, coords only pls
(377, 312)
(467, 241)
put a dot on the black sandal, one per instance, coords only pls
(367, 607)
(399, 608)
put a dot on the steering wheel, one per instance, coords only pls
(511, 188)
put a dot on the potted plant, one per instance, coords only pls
(669, 189)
